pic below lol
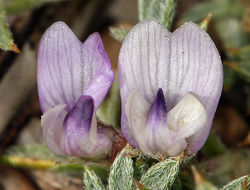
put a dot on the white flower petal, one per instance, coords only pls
(52, 123)
(187, 117)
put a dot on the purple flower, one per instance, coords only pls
(73, 79)
(170, 87)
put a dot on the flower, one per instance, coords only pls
(73, 79)
(170, 87)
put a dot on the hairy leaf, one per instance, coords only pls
(162, 175)
(121, 173)
(142, 164)
(238, 183)
(161, 10)
(118, 33)
(91, 181)
(6, 40)
(35, 151)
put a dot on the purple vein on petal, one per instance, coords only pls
(158, 111)
(69, 64)
(59, 66)
(80, 116)
(77, 124)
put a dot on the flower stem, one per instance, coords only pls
(101, 169)
(21, 162)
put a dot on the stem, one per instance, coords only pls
(101, 169)
(21, 162)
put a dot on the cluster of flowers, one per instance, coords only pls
(170, 85)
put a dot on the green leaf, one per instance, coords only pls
(201, 183)
(213, 146)
(17, 6)
(220, 10)
(91, 181)
(177, 184)
(121, 173)
(205, 185)
(206, 21)
(227, 15)
(230, 78)
(118, 33)
(224, 168)
(200, 11)
(241, 68)
(186, 181)
(161, 10)
(162, 175)
(230, 32)
(6, 40)
(142, 164)
(237, 184)
(143, 6)
(242, 53)
(35, 151)
(110, 110)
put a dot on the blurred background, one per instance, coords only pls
(226, 154)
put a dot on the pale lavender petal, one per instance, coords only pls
(80, 130)
(143, 60)
(203, 75)
(99, 86)
(138, 60)
(66, 66)
(99, 63)
(179, 62)
(52, 122)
